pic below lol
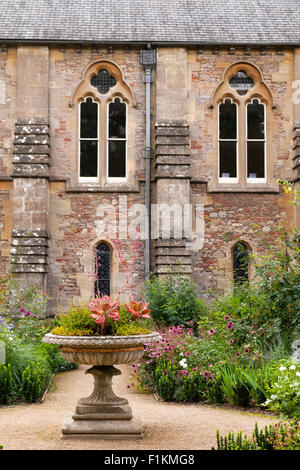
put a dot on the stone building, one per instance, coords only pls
(120, 115)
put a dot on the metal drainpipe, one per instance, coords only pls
(148, 60)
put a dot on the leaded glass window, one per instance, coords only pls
(102, 270)
(241, 82)
(88, 140)
(228, 139)
(103, 81)
(256, 139)
(117, 139)
(240, 264)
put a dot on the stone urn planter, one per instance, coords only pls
(102, 414)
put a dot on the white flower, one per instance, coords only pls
(293, 367)
(183, 363)
(282, 368)
(298, 374)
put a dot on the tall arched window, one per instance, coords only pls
(244, 111)
(116, 139)
(105, 103)
(88, 139)
(102, 270)
(228, 140)
(240, 264)
(256, 141)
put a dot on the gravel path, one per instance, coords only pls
(168, 426)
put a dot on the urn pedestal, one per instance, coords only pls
(103, 414)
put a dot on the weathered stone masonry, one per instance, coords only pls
(48, 221)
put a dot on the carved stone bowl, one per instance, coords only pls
(102, 350)
(102, 415)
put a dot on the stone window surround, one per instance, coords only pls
(123, 91)
(86, 282)
(102, 140)
(226, 263)
(261, 92)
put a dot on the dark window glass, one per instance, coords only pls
(255, 143)
(117, 120)
(240, 264)
(88, 119)
(117, 158)
(256, 159)
(227, 120)
(241, 82)
(227, 159)
(102, 270)
(88, 158)
(103, 81)
(255, 120)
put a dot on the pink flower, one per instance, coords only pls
(227, 317)
(26, 314)
(230, 325)
(103, 307)
(212, 331)
(34, 316)
(22, 309)
(231, 341)
(138, 309)
(187, 353)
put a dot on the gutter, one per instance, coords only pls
(148, 60)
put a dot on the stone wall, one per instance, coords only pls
(51, 223)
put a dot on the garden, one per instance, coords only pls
(235, 350)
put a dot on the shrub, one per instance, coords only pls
(173, 300)
(6, 383)
(260, 440)
(35, 378)
(280, 436)
(283, 394)
(164, 376)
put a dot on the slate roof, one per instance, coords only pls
(275, 22)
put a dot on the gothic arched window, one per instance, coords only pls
(102, 270)
(244, 111)
(240, 264)
(105, 105)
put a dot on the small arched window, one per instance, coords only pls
(240, 264)
(102, 270)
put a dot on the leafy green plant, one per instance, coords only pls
(260, 440)
(280, 436)
(6, 383)
(165, 375)
(283, 394)
(174, 300)
(78, 322)
(34, 380)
